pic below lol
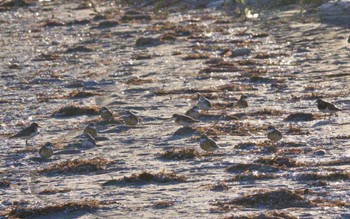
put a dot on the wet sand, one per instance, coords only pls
(54, 51)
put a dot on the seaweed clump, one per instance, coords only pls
(279, 161)
(197, 56)
(29, 212)
(299, 117)
(343, 161)
(138, 81)
(147, 177)
(265, 215)
(163, 204)
(277, 199)
(251, 177)
(73, 110)
(147, 41)
(180, 154)
(330, 176)
(4, 183)
(53, 191)
(243, 167)
(218, 187)
(81, 94)
(76, 166)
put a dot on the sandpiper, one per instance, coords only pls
(46, 151)
(326, 107)
(184, 120)
(193, 112)
(242, 102)
(208, 144)
(28, 132)
(87, 141)
(273, 134)
(90, 129)
(130, 118)
(106, 114)
(204, 104)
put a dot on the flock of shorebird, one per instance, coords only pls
(87, 139)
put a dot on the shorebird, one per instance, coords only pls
(327, 107)
(87, 141)
(193, 112)
(90, 130)
(130, 118)
(242, 102)
(204, 104)
(46, 151)
(273, 134)
(28, 132)
(184, 120)
(106, 114)
(207, 144)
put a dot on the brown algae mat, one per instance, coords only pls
(277, 199)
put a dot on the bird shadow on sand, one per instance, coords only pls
(183, 132)
(121, 129)
(68, 151)
(322, 123)
(41, 160)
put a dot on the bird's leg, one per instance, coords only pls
(27, 142)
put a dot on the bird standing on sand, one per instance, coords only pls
(242, 102)
(204, 104)
(184, 120)
(130, 118)
(273, 134)
(106, 114)
(327, 107)
(28, 132)
(193, 112)
(90, 129)
(46, 151)
(207, 144)
(87, 141)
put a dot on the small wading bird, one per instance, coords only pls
(207, 144)
(183, 120)
(242, 102)
(46, 151)
(87, 141)
(193, 112)
(91, 130)
(130, 118)
(204, 104)
(106, 114)
(327, 107)
(273, 134)
(28, 132)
